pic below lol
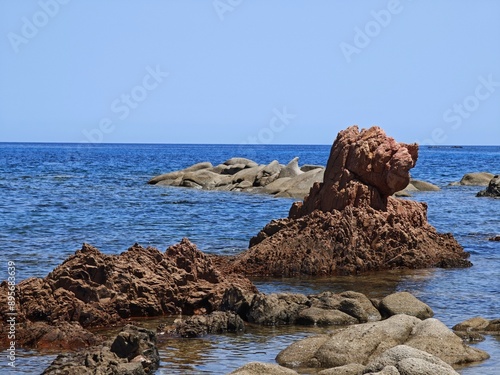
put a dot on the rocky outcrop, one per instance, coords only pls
(368, 344)
(479, 324)
(350, 223)
(240, 174)
(92, 289)
(493, 189)
(475, 179)
(132, 352)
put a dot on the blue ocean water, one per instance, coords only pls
(54, 197)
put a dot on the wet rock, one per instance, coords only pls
(478, 324)
(258, 368)
(493, 189)
(350, 223)
(495, 238)
(214, 323)
(132, 352)
(404, 303)
(276, 309)
(99, 290)
(364, 343)
(475, 179)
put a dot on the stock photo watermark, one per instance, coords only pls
(458, 112)
(31, 26)
(11, 313)
(363, 36)
(277, 124)
(222, 7)
(123, 106)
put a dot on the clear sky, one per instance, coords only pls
(259, 71)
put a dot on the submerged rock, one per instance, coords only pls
(132, 352)
(350, 223)
(214, 323)
(493, 189)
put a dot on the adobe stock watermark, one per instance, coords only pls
(11, 313)
(222, 7)
(277, 124)
(458, 112)
(31, 26)
(123, 106)
(363, 36)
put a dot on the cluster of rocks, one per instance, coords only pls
(401, 344)
(324, 309)
(132, 352)
(240, 174)
(491, 181)
(350, 223)
(244, 175)
(92, 289)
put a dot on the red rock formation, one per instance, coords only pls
(97, 290)
(350, 223)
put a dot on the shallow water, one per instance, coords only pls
(54, 197)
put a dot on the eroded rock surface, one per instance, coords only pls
(92, 289)
(350, 223)
(132, 352)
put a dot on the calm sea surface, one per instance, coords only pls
(54, 197)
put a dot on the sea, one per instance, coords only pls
(55, 197)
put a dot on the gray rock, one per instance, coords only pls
(276, 309)
(433, 337)
(310, 167)
(295, 187)
(247, 174)
(404, 303)
(322, 317)
(354, 344)
(205, 179)
(267, 175)
(246, 162)
(388, 370)
(475, 179)
(291, 169)
(411, 361)
(424, 186)
(473, 324)
(350, 369)
(493, 189)
(258, 368)
(372, 313)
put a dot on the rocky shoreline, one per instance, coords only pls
(349, 223)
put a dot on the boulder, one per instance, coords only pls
(298, 187)
(478, 324)
(216, 322)
(268, 174)
(475, 179)
(350, 223)
(404, 303)
(410, 361)
(310, 167)
(350, 369)
(93, 289)
(291, 169)
(365, 343)
(424, 186)
(324, 317)
(173, 176)
(258, 368)
(493, 189)
(247, 163)
(276, 309)
(132, 352)
(204, 179)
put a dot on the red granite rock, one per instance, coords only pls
(350, 223)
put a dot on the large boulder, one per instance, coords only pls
(493, 189)
(365, 343)
(93, 289)
(215, 323)
(404, 303)
(475, 179)
(350, 223)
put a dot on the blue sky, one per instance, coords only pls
(239, 71)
